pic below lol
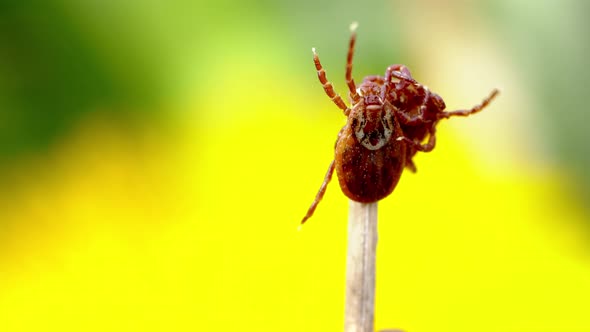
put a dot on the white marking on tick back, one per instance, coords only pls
(384, 137)
(353, 26)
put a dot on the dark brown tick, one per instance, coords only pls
(389, 119)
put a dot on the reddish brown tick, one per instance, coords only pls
(389, 118)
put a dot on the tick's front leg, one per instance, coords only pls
(320, 193)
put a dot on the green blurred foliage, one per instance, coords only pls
(52, 72)
(549, 40)
(62, 59)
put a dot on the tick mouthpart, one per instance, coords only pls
(372, 99)
(373, 107)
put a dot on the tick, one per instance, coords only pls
(389, 119)
(420, 109)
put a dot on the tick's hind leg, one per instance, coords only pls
(429, 146)
(320, 193)
(410, 163)
(475, 109)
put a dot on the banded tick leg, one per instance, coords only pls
(349, 80)
(475, 109)
(328, 87)
(320, 193)
(420, 147)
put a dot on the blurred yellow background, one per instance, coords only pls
(156, 159)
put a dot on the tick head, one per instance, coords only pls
(371, 121)
(370, 93)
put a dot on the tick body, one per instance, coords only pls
(390, 117)
(420, 110)
(369, 159)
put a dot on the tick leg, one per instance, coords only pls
(349, 80)
(408, 119)
(410, 164)
(424, 148)
(411, 120)
(327, 85)
(398, 71)
(404, 72)
(320, 193)
(475, 109)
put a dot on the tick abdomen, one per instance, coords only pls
(367, 175)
